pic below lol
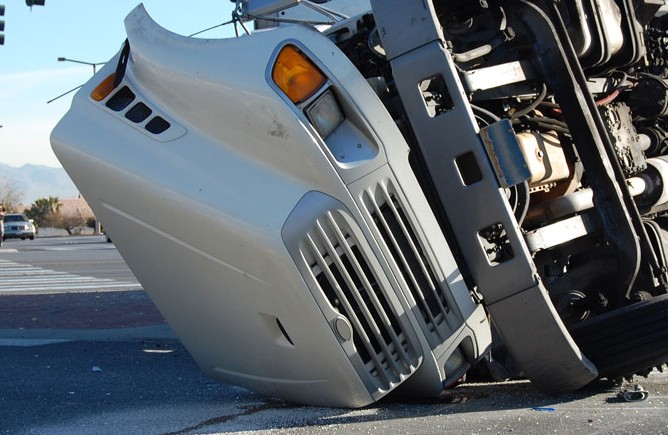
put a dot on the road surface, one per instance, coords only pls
(63, 264)
(72, 366)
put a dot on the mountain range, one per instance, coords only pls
(35, 181)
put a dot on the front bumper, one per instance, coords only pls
(17, 232)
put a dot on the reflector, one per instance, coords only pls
(102, 90)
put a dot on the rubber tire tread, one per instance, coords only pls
(626, 341)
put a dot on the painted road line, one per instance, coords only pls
(18, 278)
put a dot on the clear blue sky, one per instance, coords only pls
(85, 30)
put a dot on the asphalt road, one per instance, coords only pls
(59, 381)
(154, 387)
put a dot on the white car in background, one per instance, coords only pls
(18, 226)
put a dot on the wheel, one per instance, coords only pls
(32, 237)
(630, 340)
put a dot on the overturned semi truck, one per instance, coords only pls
(353, 199)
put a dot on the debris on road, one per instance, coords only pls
(637, 394)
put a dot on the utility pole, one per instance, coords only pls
(98, 226)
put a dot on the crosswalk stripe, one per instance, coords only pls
(55, 278)
(24, 278)
(31, 271)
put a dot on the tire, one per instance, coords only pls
(630, 340)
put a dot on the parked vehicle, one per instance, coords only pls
(18, 226)
(375, 196)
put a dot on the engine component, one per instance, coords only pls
(594, 28)
(560, 232)
(580, 201)
(657, 140)
(617, 118)
(544, 157)
(649, 98)
(655, 195)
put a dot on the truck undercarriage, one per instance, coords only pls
(562, 103)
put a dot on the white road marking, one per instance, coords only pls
(17, 278)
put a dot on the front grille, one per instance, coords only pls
(349, 284)
(389, 217)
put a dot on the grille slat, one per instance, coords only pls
(434, 289)
(345, 277)
(363, 323)
(417, 252)
(379, 316)
(406, 268)
(387, 212)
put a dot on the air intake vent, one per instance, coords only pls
(138, 113)
(405, 248)
(349, 284)
(121, 99)
(157, 125)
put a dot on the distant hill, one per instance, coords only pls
(35, 181)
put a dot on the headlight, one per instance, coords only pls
(325, 114)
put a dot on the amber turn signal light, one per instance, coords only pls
(296, 75)
(103, 90)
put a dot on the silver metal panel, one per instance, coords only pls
(244, 157)
(548, 357)
(199, 218)
(479, 205)
(416, 19)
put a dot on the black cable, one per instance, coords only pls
(532, 106)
